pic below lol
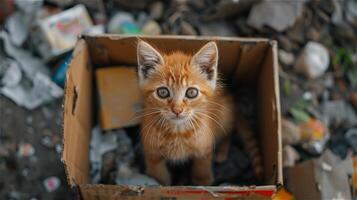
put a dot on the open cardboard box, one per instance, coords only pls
(251, 62)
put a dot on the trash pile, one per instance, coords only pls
(318, 75)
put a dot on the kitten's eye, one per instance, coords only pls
(191, 93)
(163, 92)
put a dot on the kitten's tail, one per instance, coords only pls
(250, 145)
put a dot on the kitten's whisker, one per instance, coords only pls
(217, 104)
(219, 124)
(209, 131)
(144, 115)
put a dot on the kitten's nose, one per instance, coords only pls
(177, 110)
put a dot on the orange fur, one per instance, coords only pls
(206, 118)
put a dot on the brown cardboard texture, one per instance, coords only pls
(119, 97)
(250, 62)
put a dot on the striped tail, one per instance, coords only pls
(250, 145)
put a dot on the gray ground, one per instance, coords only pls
(22, 177)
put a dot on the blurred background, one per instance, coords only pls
(317, 42)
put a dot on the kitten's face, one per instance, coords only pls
(176, 87)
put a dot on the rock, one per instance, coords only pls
(290, 132)
(337, 15)
(286, 58)
(339, 113)
(278, 15)
(151, 28)
(351, 11)
(242, 28)
(286, 44)
(313, 61)
(353, 99)
(290, 156)
(220, 28)
(156, 10)
(187, 29)
(313, 34)
(228, 8)
(351, 138)
(132, 4)
(297, 32)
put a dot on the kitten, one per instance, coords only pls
(186, 112)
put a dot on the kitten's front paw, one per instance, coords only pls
(163, 177)
(202, 179)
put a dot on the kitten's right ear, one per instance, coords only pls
(148, 60)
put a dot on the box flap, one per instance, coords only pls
(119, 97)
(77, 116)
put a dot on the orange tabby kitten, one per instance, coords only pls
(183, 113)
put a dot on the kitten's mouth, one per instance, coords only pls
(178, 119)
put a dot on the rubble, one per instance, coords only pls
(52, 183)
(346, 117)
(330, 167)
(312, 36)
(58, 33)
(313, 61)
(290, 156)
(123, 23)
(26, 150)
(278, 16)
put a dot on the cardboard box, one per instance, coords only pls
(250, 62)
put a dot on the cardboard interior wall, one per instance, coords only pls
(251, 61)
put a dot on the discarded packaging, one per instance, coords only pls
(42, 91)
(58, 33)
(123, 23)
(313, 61)
(100, 144)
(26, 150)
(52, 183)
(324, 178)
(332, 175)
(25, 78)
(314, 135)
(59, 75)
(290, 156)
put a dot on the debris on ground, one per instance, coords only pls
(313, 61)
(52, 183)
(318, 78)
(278, 16)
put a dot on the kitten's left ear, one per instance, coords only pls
(148, 60)
(206, 59)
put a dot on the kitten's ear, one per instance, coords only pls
(206, 59)
(148, 60)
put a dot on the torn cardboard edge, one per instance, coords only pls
(78, 75)
(180, 192)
